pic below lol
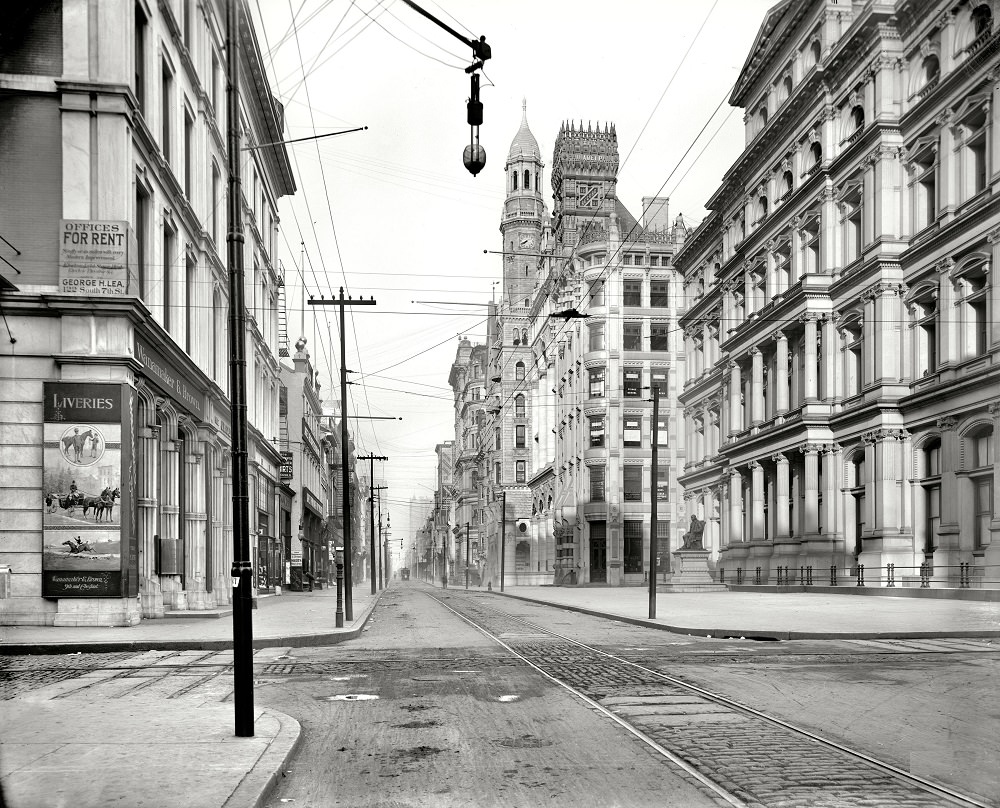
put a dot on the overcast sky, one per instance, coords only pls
(392, 213)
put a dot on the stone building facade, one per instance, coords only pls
(114, 215)
(841, 399)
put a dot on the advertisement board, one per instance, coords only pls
(93, 257)
(88, 529)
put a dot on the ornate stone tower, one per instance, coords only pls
(522, 215)
(584, 167)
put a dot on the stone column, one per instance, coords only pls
(831, 488)
(756, 387)
(781, 373)
(993, 237)
(147, 499)
(173, 594)
(810, 484)
(735, 507)
(830, 363)
(809, 369)
(949, 343)
(757, 532)
(194, 531)
(735, 409)
(950, 463)
(888, 350)
(781, 504)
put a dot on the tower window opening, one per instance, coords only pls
(515, 181)
(527, 180)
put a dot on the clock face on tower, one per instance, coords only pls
(588, 196)
(527, 242)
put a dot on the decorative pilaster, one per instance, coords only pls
(810, 453)
(758, 530)
(735, 409)
(810, 381)
(782, 501)
(781, 372)
(735, 507)
(831, 463)
(756, 386)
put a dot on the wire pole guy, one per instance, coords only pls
(346, 487)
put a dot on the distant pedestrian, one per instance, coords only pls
(309, 580)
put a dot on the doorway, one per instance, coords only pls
(598, 553)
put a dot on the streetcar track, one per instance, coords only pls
(734, 791)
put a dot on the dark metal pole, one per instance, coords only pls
(379, 546)
(466, 555)
(371, 541)
(339, 614)
(242, 572)
(344, 456)
(653, 538)
(503, 537)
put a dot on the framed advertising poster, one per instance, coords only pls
(88, 536)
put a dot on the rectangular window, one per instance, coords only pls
(166, 100)
(633, 546)
(190, 310)
(654, 261)
(983, 512)
(632, 383)
(519, 471)
(659, 335)
(596, 337)
(141, 28)
(632, 430)
(662, 483)
(496, 439)
(632, 483)
(141, 236)
(188, 153)
(597, 294)
(216, 202)
(596, 431)
(596, 378)
(496, 473)
(519, 436)
(659, 293)
(169, 256)
(662, 435)
(638, 260)
(627, 260)
(632, 293)
(597, 483)
(658, 379)
(632, 337)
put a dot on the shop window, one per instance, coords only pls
(597, 475)
(596, 431)
(596, 383)
(632, 534)
(632, 430)
(632, 483)
(632, 382)
(632, 293)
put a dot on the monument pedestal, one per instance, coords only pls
(691, 573)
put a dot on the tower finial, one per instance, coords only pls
(524, 108)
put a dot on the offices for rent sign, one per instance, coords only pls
(93, 257)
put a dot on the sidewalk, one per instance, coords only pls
(70, 751)
(785, 616)
(291, 619)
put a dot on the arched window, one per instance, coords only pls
(787, 184)
(519, 371)
(853, 350)
(815, 52)
(972, 285)
(515, 181)
(979, 457)
(815, 155)
(858, 118)
(761, 208)
(761, 117)
(786, 88)
(982, 20)
(519, 405)
(527, 180)
(930, 70)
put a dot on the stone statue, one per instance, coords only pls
(692, 539)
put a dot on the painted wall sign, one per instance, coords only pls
(93, 257)
(181, 388)
(90, 544)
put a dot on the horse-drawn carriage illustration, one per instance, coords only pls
(101, 505)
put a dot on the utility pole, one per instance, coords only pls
(503, 536)
(653, 538)
(242, 571)
(344, 454)
(372, 489)
(466, 555)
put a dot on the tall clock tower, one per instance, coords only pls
(523, 213)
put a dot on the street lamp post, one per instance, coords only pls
(466, 555)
